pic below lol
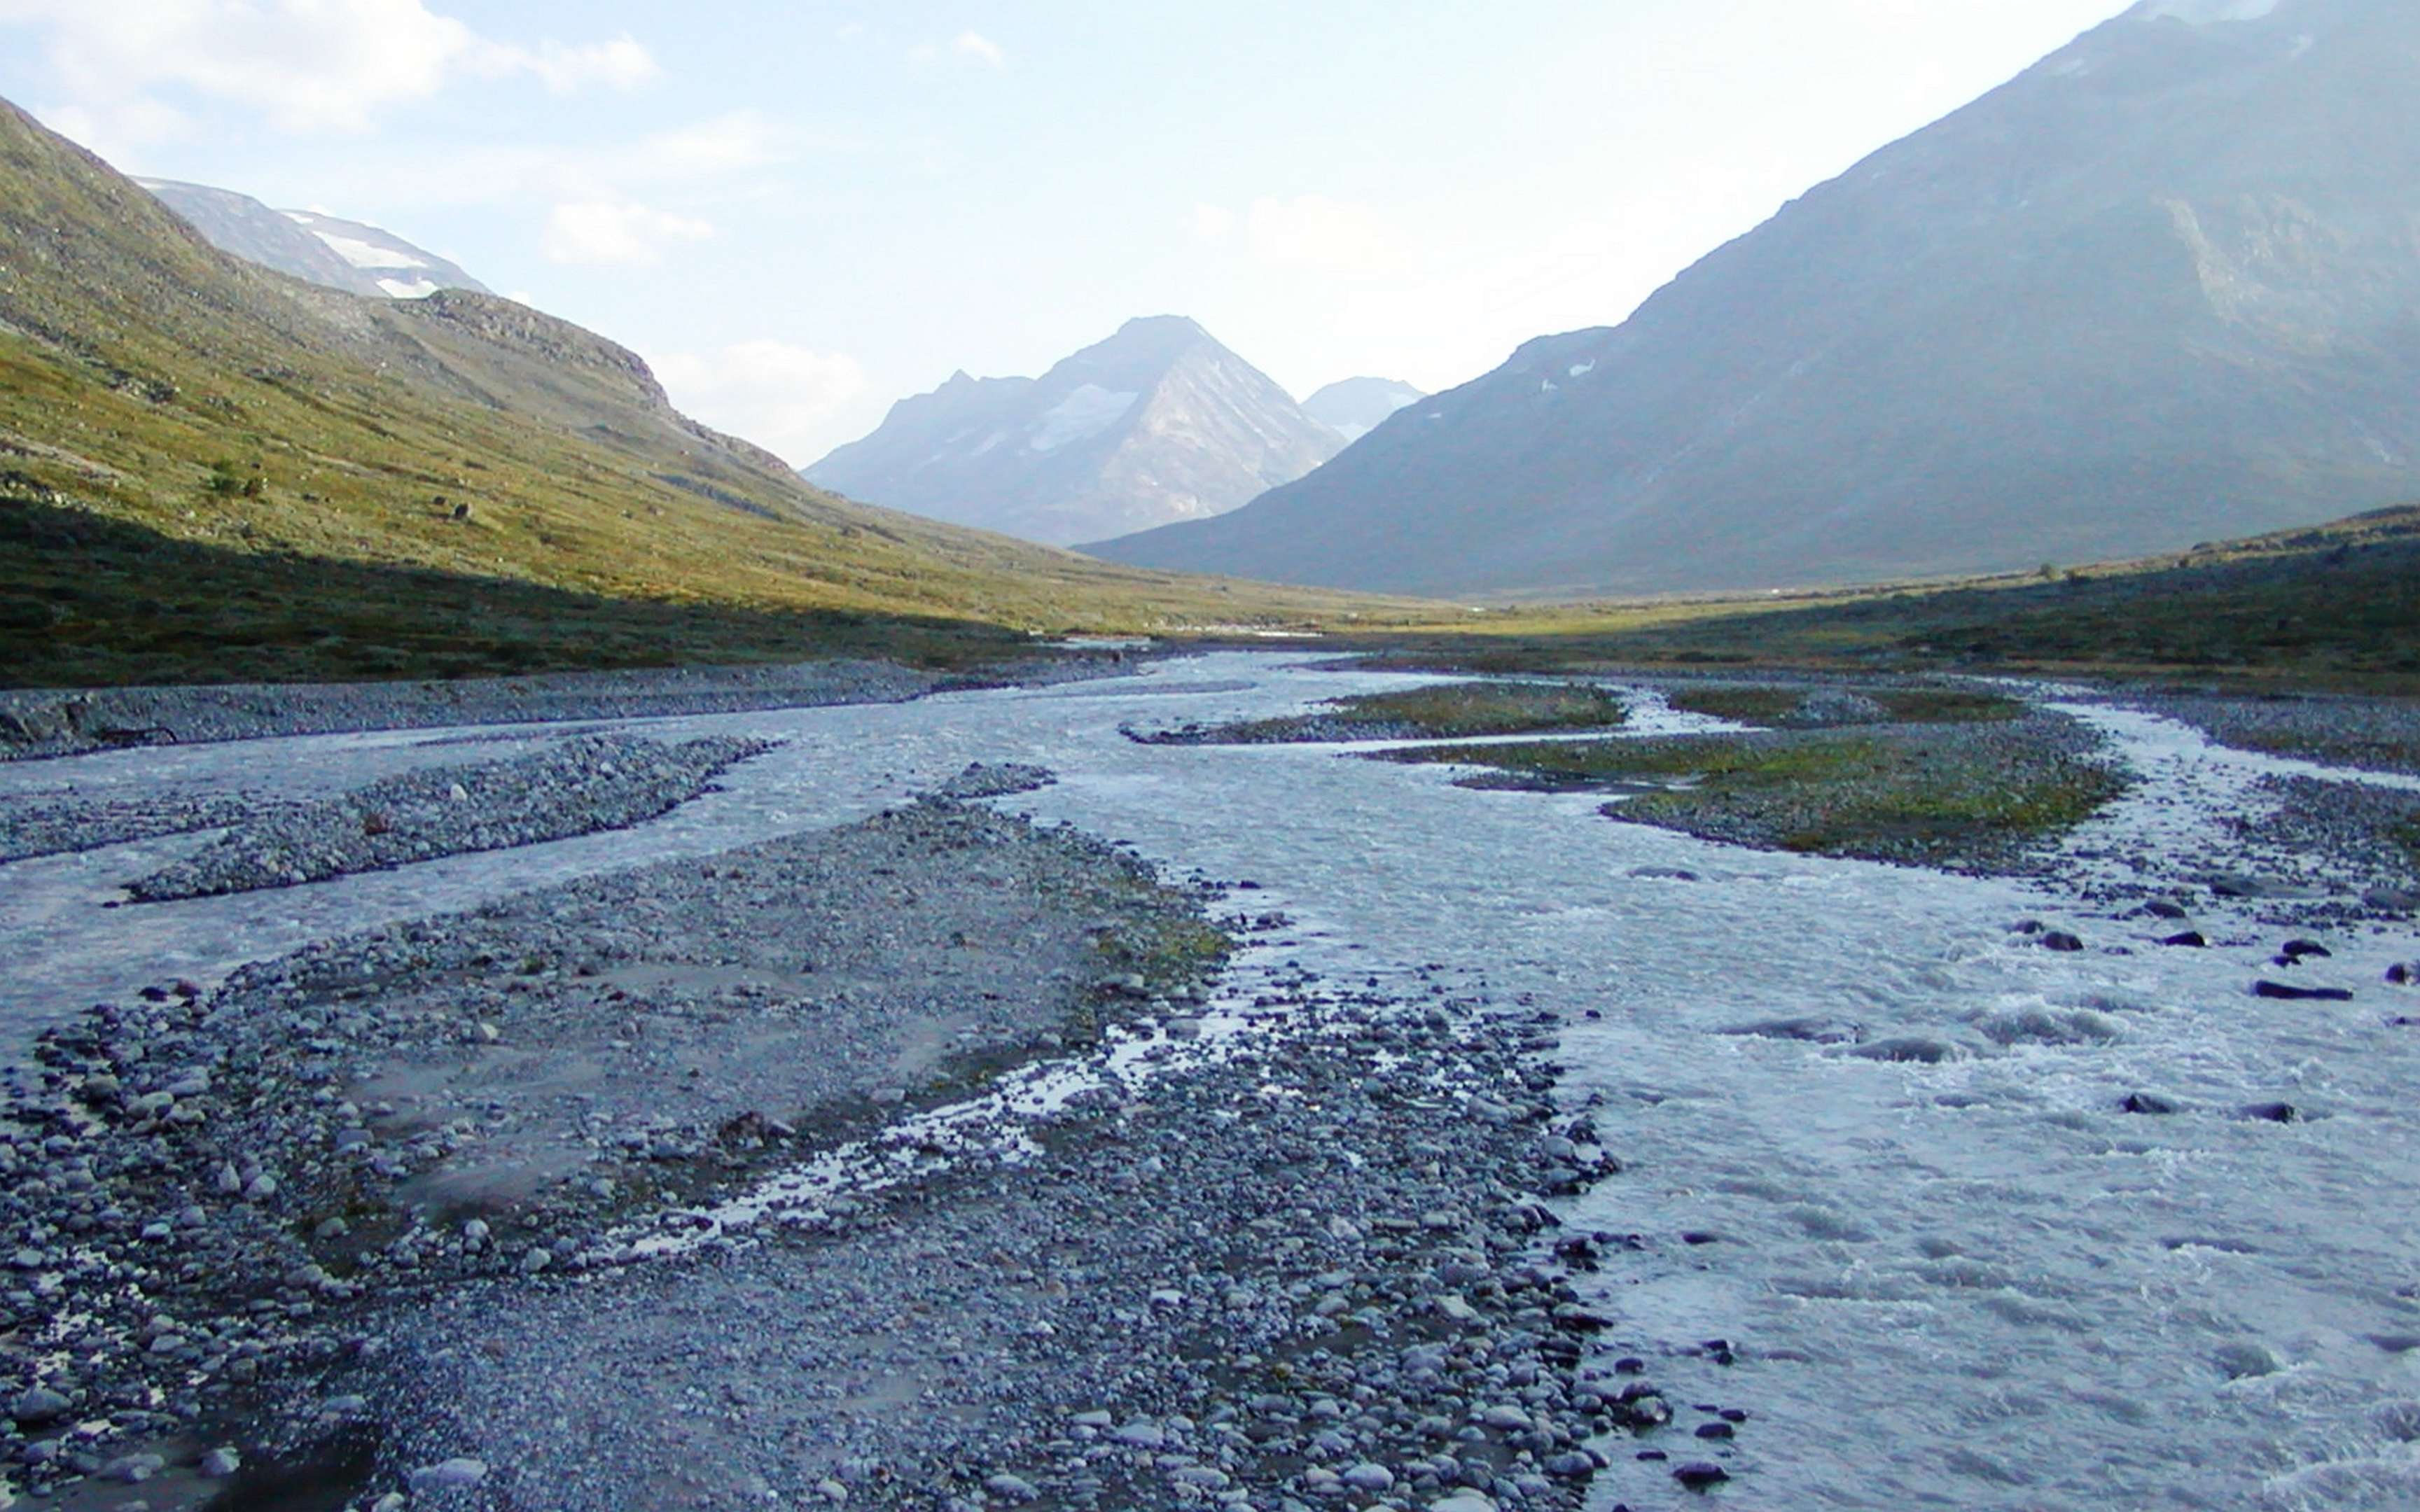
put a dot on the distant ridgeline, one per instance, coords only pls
(2163, 288)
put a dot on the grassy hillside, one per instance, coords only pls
(2335, 606)
(217, 427)
(88, 600)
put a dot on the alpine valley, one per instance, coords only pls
(552, 964)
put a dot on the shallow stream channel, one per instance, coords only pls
(1955, 1275)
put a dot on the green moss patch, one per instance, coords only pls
(1450, 711)
(1972, 799)
(1781, 705)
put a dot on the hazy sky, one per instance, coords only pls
(801, 211)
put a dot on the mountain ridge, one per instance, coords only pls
(2142, 294)
(333, 253)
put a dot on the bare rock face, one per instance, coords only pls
(1160, 423)
(2163, 288)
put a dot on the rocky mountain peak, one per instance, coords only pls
(1159, 422)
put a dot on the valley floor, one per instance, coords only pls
(961, 1102)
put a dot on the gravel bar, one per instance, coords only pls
(2370, 734)
(577, 787)
(205, 1201)
(37, 722)
(55, 824)
(345, 1229)
(1321, 1271)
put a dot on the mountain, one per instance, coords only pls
(400, 269)
(321, 249)
(2163, 286)
(1355, 406)
(212, 470)
(242, 226)
(1159, 423)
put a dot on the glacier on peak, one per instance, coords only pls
(1087, 412)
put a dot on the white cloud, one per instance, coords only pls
(305, 64)
(693, 158)
(976, 45)
(781, 396)
(967, 44)
(621, 63)
(1312, 231)
(726, 144)
(120, 130)
(1212, 223)
(616, 231)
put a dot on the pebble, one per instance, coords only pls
(446, 1474)
(2287, 992)
(132, 1469)
(38, 1404)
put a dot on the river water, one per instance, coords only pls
(1971, 1284)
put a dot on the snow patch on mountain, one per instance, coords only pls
(362, 254)
(352, 256)
(1088, 411)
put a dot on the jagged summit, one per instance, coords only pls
(2162, 288)
(1157, 422)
